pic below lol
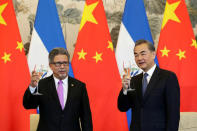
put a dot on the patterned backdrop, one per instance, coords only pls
(70, 12)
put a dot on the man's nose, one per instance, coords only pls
(139, 57)
(62, 66)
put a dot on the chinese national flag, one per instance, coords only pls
(14, 73)
(177, 51)
(94, 63)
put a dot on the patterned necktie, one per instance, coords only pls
(144, 83)
(60, 93)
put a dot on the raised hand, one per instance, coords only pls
(35, 77)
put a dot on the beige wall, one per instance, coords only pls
(26, 10)
(187, 122)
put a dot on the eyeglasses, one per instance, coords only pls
(58, 64)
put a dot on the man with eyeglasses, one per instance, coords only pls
(63, 103)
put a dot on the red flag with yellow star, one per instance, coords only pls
(94, 63)
(14, 73)
(177, 51)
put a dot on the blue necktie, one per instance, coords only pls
(144, 83)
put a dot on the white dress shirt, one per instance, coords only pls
(149, 72)
(65, 87)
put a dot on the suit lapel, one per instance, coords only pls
(54, 91)
(70, 86)
(152, 83)
(54, 94)
(138, 82)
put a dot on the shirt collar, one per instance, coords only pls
(65, 81)
(151, 70)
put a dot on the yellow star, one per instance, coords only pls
(2, 7)
(82, 54)
(19, 46)
(87, 14)
(194, 43)
(6, 57)
(165, 51)
(169, 13)
(98, 57)
(110, 45)
(181, 54)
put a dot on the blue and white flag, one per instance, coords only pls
(134, 26)
(47, 34)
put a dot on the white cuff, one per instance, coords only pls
(124, 91)
(32, 89)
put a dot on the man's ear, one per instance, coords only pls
(154, 54)
(50, 65)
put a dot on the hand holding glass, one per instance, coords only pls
(127, 76)
(41, 74)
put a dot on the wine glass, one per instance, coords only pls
(42, 73)
(127, 73)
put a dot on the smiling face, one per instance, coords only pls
(144, 57)
(60, 66)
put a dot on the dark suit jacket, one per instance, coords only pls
(52, 117)
(159, 108)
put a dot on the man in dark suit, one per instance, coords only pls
(64, 103)
(154, 96)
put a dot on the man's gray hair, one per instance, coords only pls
(151, 47)
(57, 51)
